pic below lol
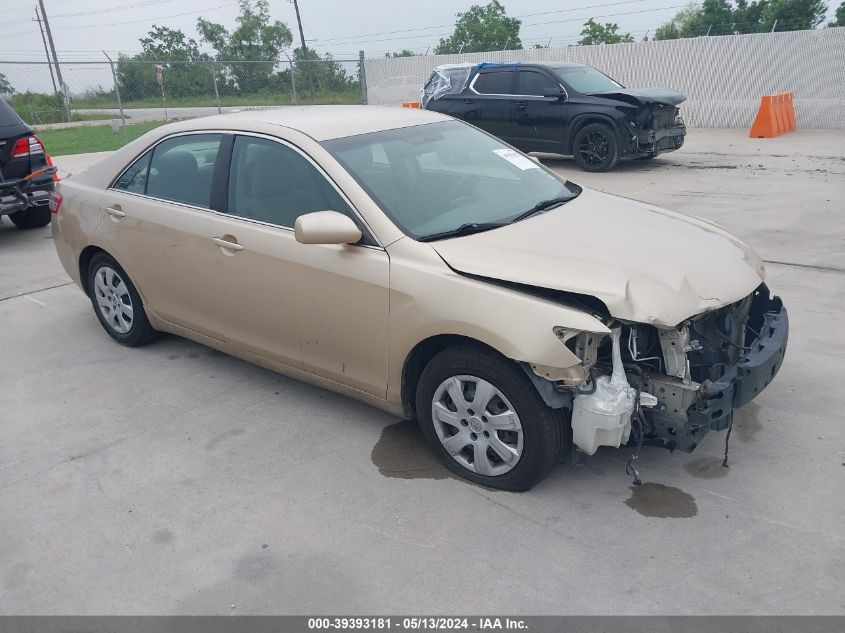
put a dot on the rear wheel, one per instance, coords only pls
(31, 217)
(594, 147)
(117, 303)
(484, 419)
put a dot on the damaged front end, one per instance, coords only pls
(670, 386)
(654, 128)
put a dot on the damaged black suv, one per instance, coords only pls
(559, 108)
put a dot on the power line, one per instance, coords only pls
(149, 20)
(443, 26)
(124, 7)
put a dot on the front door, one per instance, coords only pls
(540, 121)
(336, 294)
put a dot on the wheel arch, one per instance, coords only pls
(419, 357)
(582, 120)
(85, 258)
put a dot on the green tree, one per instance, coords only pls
(5, 86)
(678, 25)
(178, 54)
(321, 71)
(403, 53)
(608, 33)
(480, 29)
(794, 15)
(251, 50)
(840, 16)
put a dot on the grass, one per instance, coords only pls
(94, 138)
(350, 95)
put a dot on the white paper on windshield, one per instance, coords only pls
(515, 158)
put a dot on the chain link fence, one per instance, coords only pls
(133, 91)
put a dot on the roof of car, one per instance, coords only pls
(324, 122)
(481, 65)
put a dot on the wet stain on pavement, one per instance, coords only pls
(217, 439)
(747, 422)
(663, 502)
(163, 537)
(401, 452)
(707, 468)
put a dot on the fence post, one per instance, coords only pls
(293, 81)
(363, 75)
(216, 93)
(119, 102)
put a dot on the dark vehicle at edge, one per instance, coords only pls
(560, 108)
(26, 172)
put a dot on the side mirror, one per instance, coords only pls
(557, 93)
(326, 227)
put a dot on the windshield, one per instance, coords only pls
(436, 178)
(586, 80)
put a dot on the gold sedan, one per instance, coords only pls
(414, 262)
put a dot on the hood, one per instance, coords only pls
(643, 96)
(645, 264)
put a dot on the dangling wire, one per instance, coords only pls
(727, 439)
(638, 426)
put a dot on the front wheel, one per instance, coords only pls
(31, 217)
(594, 147)
(484, 419)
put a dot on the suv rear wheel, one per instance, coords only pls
(31, 218)
(484, 419)
(594, 147)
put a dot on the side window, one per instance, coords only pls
(494, 83)
(134, 179)
(182, 167)
(273, 183)
(530, 82)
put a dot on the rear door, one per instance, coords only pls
(540, 121)
(487, 103)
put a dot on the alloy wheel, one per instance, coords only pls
(594, 148)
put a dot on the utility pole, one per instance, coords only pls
(46, 50)
(304, 48)
(55, 58)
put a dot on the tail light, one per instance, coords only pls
(55, 202)
(50, 163)
(27, 146)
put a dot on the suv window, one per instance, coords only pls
(271, 182)
(182, 168)
(494, 83)
(531, 82)
(134, 179)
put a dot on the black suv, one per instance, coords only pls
(26, 172)
(559, 108)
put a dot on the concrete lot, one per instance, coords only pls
(174, 479)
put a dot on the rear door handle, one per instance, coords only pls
(227, 244)
(520, 105)
(469, 101)
(115, 211)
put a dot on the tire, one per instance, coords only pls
(594, 147)
(482, 437)
(31, 217)
(117, 303)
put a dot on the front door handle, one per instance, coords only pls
(520, 105)
(229, 245)
(115, 211)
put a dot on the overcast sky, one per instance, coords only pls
(342, 27)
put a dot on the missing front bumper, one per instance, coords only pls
(685, 416)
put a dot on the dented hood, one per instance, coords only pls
(642, 96)
(646, 264)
